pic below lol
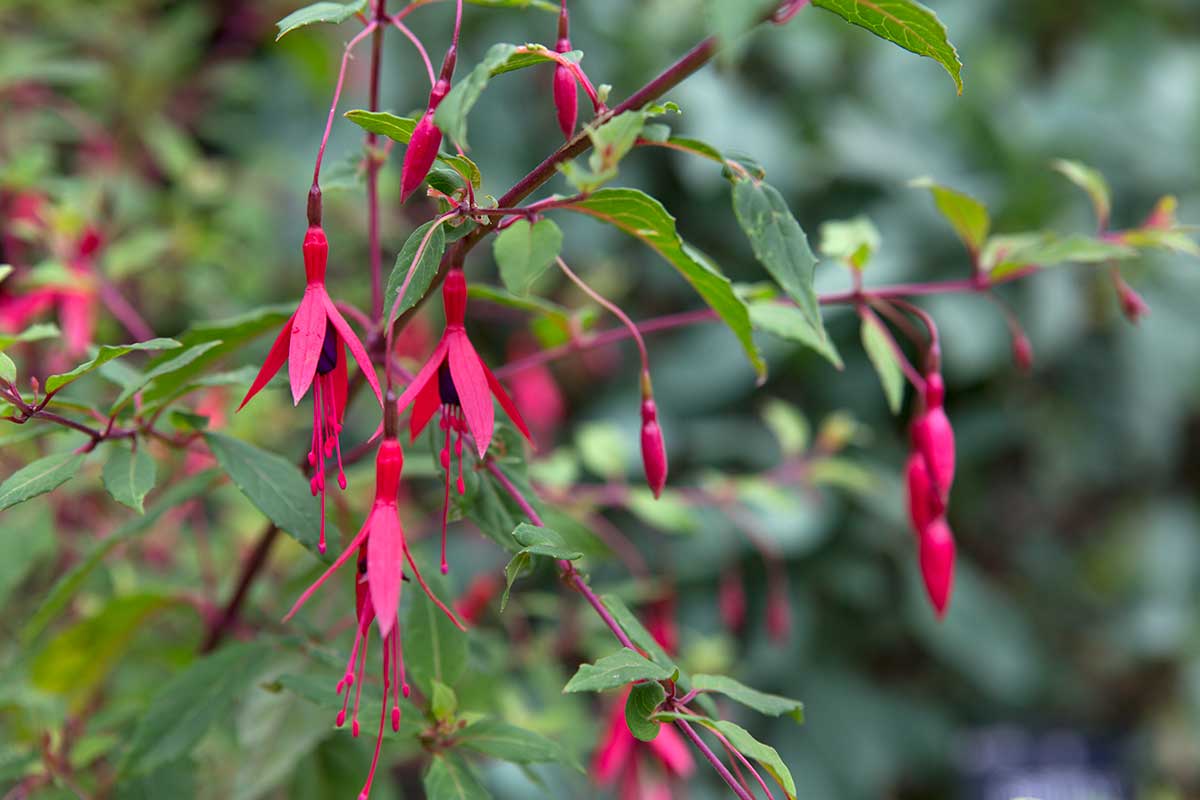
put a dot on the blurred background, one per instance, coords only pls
(1069, 663)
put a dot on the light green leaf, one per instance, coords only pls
(670, 511)
(789, 425)
(8, 370)
(1092, 182)
(162, 369)
(129, 476)
(789, 323)
(275, 487)
(905, 23)
(643, 701)
(779, 244)
(103, 356)
(611, 141)
(524, 250)
(968, 216)
(535, 541)
(39, 477)
(5, 271)
(451, 114)
(622, 667)
(770, 704)
(427, 260)
(400, 129)
(34, 333)
(334, 13)
(450, 777)
(443, 702)
(643, 217)
(728, 21)
(434, 649)
(509, 743)
(883, 358)
(1007, 254)
(854, 241)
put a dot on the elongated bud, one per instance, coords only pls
(1022, 351)
(422, 150)
(566, 100)
(924, 504)
(389, 463)
(316, 254)
(933, 436)
(937, 564)
(314, 206)
(1132, 304)
(654, 451)
(454, 297)
(731, 600)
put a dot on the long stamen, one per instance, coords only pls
(366, 790)
(358, 692)
(395, 641)
(446, 464)
(429, 592)
(458, 452)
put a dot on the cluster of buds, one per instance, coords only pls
(929, 474)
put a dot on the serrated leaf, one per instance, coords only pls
(879, 350)
(34, 333)
(427, 259)
(643, 217)
(275, 487)
(966, 215)
(184, 708)
(524, 250)
(789, 323)
(400, 129)
(105, 354)
(129, 476)
(770, 704)
(780, 245)
(853, 241)
(434, 649)
(905, 23)
(334, 13)
(643, 701)
(622, 667)
(509, 743)
(1092, 182)
(450, 777)
(41, 476)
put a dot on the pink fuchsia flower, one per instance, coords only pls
(381, 553)
(456, 384)
(640, 770)
(313, 343)
(76, 299)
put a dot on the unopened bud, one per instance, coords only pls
(1022, 351)
(1132, 304)
(654, 451)
(934, 437)
(923, 502)
(731, 600)
(422, 150)
(937, 564)
(779, 616)
(566, 99)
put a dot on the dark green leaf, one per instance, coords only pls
(318, 12)
(770, 704)
(129, 476)
(728, 21)
(450, 777)
(34, 333)
(905, 23)
(643, 700)
(103, 356)
(876, 342)
(275, 487)
(425, 248)
(535, 541)
(642, 216)
(741, 739)
(184, 708)
(434, 649)
(779, 244)
(451, 114)
(162, 369)
(509, 743)
(968, 216)
(524, 250)
(39, 477)
(622, 667)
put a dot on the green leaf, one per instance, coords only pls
(789, 323)
(779, 245)
(443, 702)
(39, 477)
(318, 12)
(535, 541)
(728, 21)
(103, 356)
(451, 114)
(1092, 182)
(434, 648)
(129, 476)
(530, 55)
(905, 23)
(643, 217)
(968, 216)
(509, 743)
(8, 370)
(552, 312)
(5, 271)
(427, 261)
(611, 141)
(636, 631)
(622, 667)
(69, 584)
(643, 701)
(883, 358)
(524, 250)
(1005, 255)
(695, 147)
(450, 777)
(854, 241)
(670, 511)
(741, 739)
(162, 369)
(275, 487)
(790, 427)
(770, 704)
(34, 333)
(400, 129)
(184, 708)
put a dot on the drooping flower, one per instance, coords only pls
(381, 552)
(313, 343)
(566, 97)
(929, 473)
(456, 384)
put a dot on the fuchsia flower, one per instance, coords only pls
(313, 342)
(457, 384)
(381, 552)
(929, 474)
(566, 97)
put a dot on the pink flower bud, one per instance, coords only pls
(1132, 304)
(422, 150)
(566, 99)
(923, 502)
(731, 600)
(654, 452)
(1022, 351)
(937, 564)
(779, 615)
(934, 438)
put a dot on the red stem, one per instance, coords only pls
(373, 165)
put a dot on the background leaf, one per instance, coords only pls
(129, 475)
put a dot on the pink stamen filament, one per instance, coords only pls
(611, 307)
(412, 37)
(366, 790)
(447, 424)
(337, 93)
(433, 598)
(358, 690)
